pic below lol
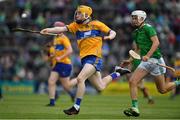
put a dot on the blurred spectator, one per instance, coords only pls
(26, 62)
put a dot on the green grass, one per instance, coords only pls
(93, 107)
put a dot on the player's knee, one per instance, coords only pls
(79, 80)
(100, 86)
(162, 91)
(132, 82)
(51, 82)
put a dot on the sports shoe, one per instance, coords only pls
(50, 105)
(121, 70)
(71, 111)
(132, 112)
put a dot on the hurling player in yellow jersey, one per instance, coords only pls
(89, 39)
(61, 65)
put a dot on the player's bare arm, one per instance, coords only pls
(66, 54)
(54, 30)
(125, 63)
(155, 44)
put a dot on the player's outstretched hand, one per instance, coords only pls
(44, 31)
(125, 63)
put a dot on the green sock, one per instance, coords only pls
(135, 103)
(177, 82)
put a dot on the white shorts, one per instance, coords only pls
(153, 69)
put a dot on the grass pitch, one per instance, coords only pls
(93, 107)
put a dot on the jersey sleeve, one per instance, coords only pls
(102, 27)
(72, 27)
(150, 31)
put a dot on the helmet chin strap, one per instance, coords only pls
(83, 21)
(141, 22)
(138, 25)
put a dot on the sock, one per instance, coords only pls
(177, 82)
(135, 103)
(52, 101)
(77, 103)
(114, 75)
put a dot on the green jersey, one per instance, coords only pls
(135, 64)
(142, 37)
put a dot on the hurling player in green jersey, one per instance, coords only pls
(147, 43)
(132, 65)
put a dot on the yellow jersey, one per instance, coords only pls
(177, 67)
(89, 37)
(60, 45)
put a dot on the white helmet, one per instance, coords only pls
(139, 13)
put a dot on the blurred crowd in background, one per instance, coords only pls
(21, 53)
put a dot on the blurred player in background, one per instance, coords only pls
(89, 39)
(147, 43)
(175, 76)
(58, 54)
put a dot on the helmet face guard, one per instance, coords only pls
(140, 16)
(84, 11)
(84, 17)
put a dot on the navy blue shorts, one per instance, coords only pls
(93, 60)
(64, 70)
